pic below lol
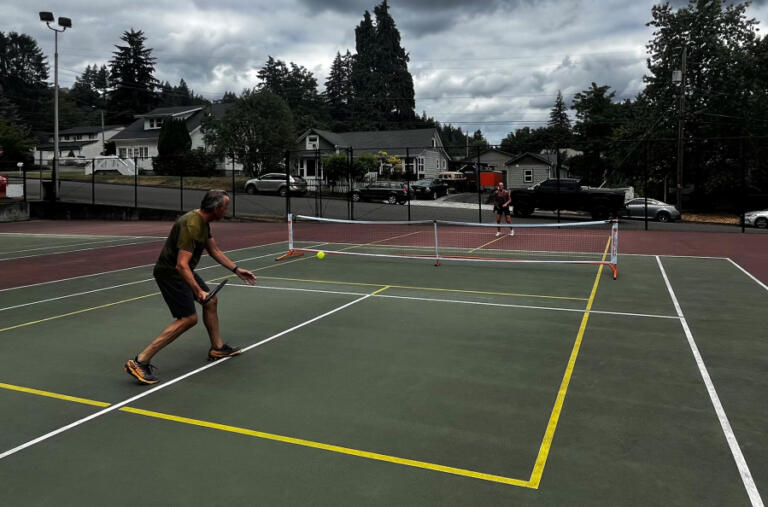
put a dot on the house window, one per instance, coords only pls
(313, 142)
(121, 153)
(528, 176)
(155, 123)
(433, 142)
(420, 165)
(444, 164)
(78, 137)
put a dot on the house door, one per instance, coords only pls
(310, 168)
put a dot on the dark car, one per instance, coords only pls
(390, 191)
(429, 188)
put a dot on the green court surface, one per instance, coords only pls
(392, 382)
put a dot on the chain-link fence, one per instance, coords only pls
(723, 180)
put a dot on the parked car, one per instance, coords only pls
(390, 191)
(657, 210)
(757, 219)
(429, 188)
(275, 182)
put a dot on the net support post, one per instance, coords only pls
(437, 247)
(615, 249)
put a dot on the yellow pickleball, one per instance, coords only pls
(320, 254)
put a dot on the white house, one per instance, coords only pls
(421, 150)
(77, 143)
(139, 140)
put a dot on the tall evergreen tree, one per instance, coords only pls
(23, 76)
(382, 84)
(396, 96)
(596, 118)
(298, 87)
(132, 77)
(338, 91)
(363, 81)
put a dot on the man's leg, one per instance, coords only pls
(211, 321)
(218, 349)
(170, 333)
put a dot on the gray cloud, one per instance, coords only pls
(495, 65)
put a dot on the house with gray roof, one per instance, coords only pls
(421, 150)
(528, 169)
(76, 143)
(139, 140)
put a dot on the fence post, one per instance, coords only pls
(93, 181)
(24, 183)
(479, 188)
(288, 182)
(743, 184)
(135, 182)
(350, 201)
(408, 182)
(234, 190)
(645, 182)
(181, 191)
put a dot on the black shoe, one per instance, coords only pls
(141, 371)
(224, 351)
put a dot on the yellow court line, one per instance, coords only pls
(285, 439)
(549, 434)
(490, 242)
(77, 312)
(54, 317)
(436, 289)
(49, 394)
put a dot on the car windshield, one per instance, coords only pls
(423, 182)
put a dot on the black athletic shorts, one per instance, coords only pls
(501, 210)
(179, 296)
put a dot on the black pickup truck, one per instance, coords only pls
(601, 203)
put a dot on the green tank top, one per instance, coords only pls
(189, 233)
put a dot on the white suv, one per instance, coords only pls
(758, 219)
(275, 182)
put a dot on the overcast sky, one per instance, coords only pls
(493, 65)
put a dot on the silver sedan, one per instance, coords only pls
(657, 210)
(757, 219)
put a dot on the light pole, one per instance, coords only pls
(680, 76)
(64, 23)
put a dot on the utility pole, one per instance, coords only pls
(680, 132)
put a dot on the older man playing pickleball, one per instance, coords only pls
(181, 286)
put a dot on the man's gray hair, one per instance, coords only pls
(213, 199)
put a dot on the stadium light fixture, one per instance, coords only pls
(47, 18)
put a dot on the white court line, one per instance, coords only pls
(75, 235)
(741, 463)
(101, 241)
(459, 301)
(123, 269)
(163, 385)
(79, 250)
(761, 284)
(120, 285)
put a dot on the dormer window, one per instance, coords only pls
(313, 142)
(434, 143)
(155, 123)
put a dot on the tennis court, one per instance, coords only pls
(373, 380)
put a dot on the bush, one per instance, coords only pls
(193, 163)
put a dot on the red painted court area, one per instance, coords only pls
(750, 251)
(42, 268)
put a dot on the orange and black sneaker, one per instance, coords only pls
(141, 371)
(224, 351)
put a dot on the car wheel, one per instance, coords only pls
(761, 223)
(522, 210)
(599, 213)
(355, 196)
(283, 191)
(251, 189)
(392, 199)
(663, 216)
